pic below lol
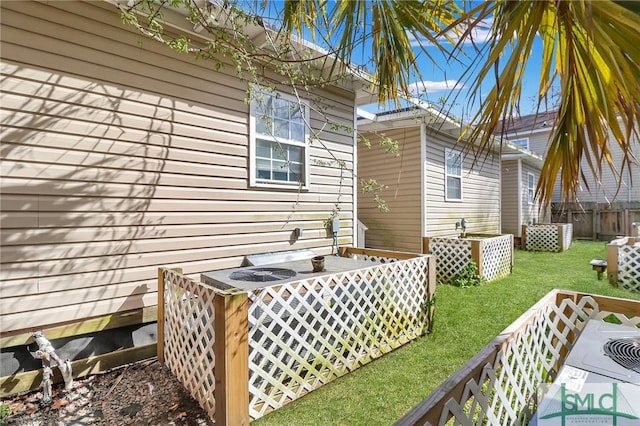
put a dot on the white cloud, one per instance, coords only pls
(421, 87)
(480, 34)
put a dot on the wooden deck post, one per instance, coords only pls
(476, 255)
(231, 359)
(425, 245)
(560, 237)
(160, 324)
(612, 263)
(431, 289)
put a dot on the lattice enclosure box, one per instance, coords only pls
(500, 384)
(493, 255)
(243, 353)
(555, 237)
(623, 263)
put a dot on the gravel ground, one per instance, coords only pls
(144, 393)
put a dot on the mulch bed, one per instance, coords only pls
(143, 393)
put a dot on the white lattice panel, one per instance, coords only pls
(542, 238)
(189, 336)
(505, 392)
(497, 254)
(306, 333)
(629, 267)
(452, 255)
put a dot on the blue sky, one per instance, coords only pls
(444, 78)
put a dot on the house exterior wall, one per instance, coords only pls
(480, 204)
(400, 227)
(120, 156)
(531, 212)
(511, 181)
(601, 190)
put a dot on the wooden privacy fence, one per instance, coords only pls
(623, 263)
(602, 222)
(497, 386)
(547, 237)
(243, 354)
(493, 255)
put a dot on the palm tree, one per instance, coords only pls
(590, 49)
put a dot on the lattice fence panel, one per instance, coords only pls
(497, 255)
(542, 238)
(306, 333)
(452, 255)
(505, 392)
(629, 267)
(189, 336)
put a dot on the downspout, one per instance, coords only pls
(520, 201)
(354, 241)
(423, 182)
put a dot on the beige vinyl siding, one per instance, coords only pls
(400, 227)
(120, 156)
(531, 213)
(511, 222)
(539, 142)
(480, 204)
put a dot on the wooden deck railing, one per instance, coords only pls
(244, 354)
(497, 386)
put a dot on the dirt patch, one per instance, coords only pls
(144, 393)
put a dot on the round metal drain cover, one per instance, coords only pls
(262, 274)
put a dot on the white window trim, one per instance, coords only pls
(447, 152)
(515, 142)
(531, 190)
(253, 180)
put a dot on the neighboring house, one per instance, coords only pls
(519, 177)
(120, 155)
(534, 132)
(432, 184)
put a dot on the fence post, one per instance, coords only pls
(612, 263)
(560, 236)
(476, 255)
(523, 238)
(231, 350)
(431, 290)
(425, 245)
(160, 324)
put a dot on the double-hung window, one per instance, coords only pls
(531, 188)
(279, 141)
(522, 142)
(453, 175)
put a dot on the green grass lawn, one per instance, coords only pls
(465, 321)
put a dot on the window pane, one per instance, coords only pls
(297, 132)
(454, 163)
(280, 170)
(295, 172)
(263, 148)
(454, 190)
(281, 109)
(281, 128)
(295, 154)
(263, 169)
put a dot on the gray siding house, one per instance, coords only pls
(520, 171)
(431, 184)
(534, 133)
(120, 155)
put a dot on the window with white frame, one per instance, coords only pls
(278, 141)
(521, 142)
(453, 174)
(531, 188)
